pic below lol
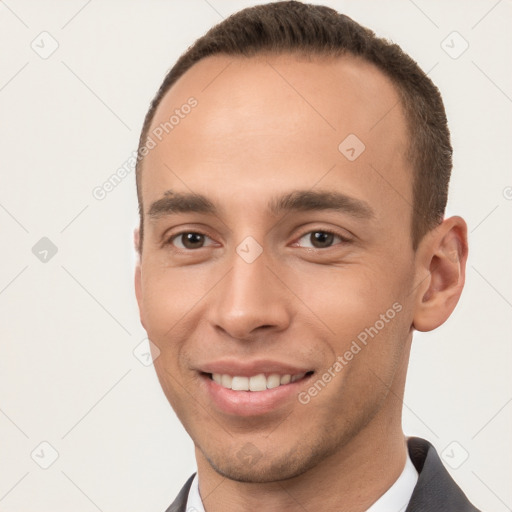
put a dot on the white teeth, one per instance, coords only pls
(240, 384)
(258, 383)
(225, 380)
(285, 379)
(255, 383)
(273, 381)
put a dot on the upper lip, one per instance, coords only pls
(250, 368)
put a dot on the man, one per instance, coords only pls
(292, 182)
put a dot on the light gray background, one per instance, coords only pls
(69, 326)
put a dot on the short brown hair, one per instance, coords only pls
(298, 28)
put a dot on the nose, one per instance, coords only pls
(250, 300)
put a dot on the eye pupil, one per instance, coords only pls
(192, 240)
(321, 239)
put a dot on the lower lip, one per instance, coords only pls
(251, 403)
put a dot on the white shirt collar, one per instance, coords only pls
(194, 503)
(396, 498)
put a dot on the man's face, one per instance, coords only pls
(298, 254)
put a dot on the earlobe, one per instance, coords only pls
(442, 257)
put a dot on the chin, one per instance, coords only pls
(250, 466)
(260, 475)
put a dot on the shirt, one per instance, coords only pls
(396, 498)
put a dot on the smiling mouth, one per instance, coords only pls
(255, 383)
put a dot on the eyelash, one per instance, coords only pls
(343, 239)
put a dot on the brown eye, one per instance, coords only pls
(189, 240)
(320, 240)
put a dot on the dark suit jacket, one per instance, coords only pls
(435, 491)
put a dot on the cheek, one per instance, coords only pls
(170, 295)
(364, 311)
(347, 297)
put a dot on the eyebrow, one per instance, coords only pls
(314, 200)
(174, 202)
(298, 200)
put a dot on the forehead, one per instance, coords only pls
(275, 122)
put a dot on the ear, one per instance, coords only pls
(138, 272)
(441, 270)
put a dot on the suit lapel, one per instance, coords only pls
(435, 491)
(180, 503)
